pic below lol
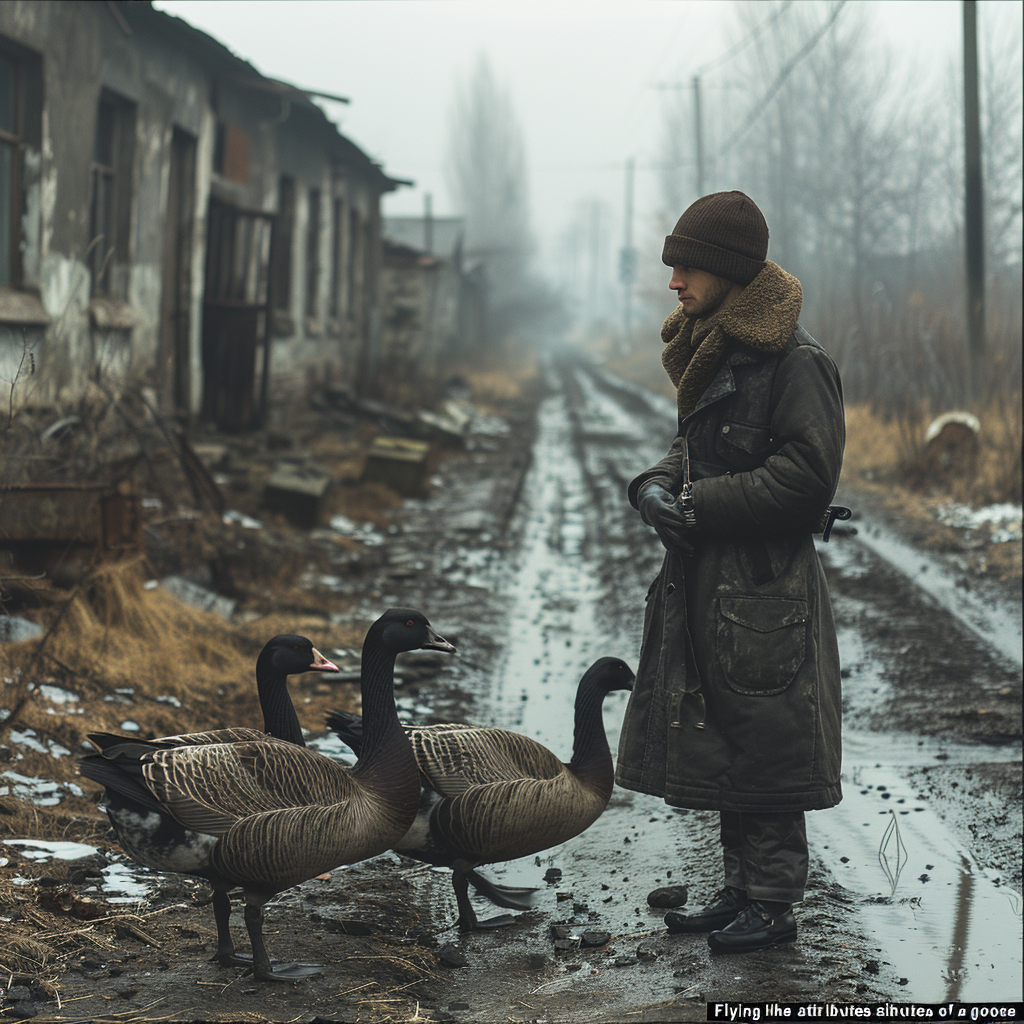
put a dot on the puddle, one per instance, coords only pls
(947, 926)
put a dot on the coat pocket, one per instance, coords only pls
(761, 642)
(743, 446)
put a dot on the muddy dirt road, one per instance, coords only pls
(529, 558)
(932, 762)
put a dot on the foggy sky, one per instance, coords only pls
(587, 80)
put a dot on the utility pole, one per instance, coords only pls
(698, 128)
(973, 211)
(627, 262)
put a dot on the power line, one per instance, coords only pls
(762, 105)
(747, 40)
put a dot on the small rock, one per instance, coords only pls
(552, 875)
(871, 966)
(19, 994)
(625, 961)
(559, 896)
(668, 898)
(21, 1011)
(451, 956)
(647, 951)
(566, 945)
(580, 908)
(560, 931)
(596, 938)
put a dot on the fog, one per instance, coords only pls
(844, 120)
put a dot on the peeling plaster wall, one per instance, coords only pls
(169, 83)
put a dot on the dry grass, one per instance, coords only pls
(892, 452)
(184, 670)
(498, 379)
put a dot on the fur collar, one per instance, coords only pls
(762, 318)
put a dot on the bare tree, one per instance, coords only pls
(488, 183)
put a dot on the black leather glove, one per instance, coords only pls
(660, 509)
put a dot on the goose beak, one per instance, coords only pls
(437, 643)
(321, 664)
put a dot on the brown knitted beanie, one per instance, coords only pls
(724, 234)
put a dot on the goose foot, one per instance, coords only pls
(278, 971)
(476, 925)
(512, 897)
(467, 920)
(287, 972)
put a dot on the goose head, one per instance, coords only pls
(404, 629)
(288, 655)
(285, 655)
(607, 674)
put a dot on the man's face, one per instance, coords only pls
(700, 293)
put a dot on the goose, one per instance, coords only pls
(264, 813)
(491, 795)
(282, 656)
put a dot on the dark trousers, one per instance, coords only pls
(766, 854)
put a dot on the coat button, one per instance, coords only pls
(725, 429)
(670, 589)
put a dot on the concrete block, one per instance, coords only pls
(398, 463)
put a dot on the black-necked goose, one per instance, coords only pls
(266, 814)
(492, 795)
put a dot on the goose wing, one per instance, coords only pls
(455, 758)
(209, 788)
(514, 818)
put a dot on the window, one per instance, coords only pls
(281, 250)
(20, 130)
(313, 253)
(337, 220)
(110, 216)
(231, 153)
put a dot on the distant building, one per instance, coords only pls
(170, 216)
(433, 302)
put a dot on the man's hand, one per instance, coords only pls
(660, 509)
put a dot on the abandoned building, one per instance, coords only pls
(172, 217)
(433, 298)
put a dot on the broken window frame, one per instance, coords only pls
(109, 255)
(11, 175)
(337, 255)
(281, 246)
(314, 203)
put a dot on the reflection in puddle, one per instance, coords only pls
(931, 922)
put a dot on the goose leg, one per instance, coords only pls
(468, 921)
(513, 897)
(263, 968)
(225, 955)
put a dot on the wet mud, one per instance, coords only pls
(527, 555)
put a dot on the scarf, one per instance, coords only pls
(762, 317)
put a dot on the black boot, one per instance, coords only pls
(723, 908)
(758, 926)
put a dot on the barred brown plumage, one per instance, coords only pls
(238, 807)
(492, 795)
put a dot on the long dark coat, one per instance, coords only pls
(737, 703)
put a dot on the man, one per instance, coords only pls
(736, 704)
